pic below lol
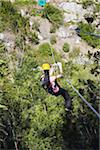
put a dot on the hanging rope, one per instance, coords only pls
(88, 104)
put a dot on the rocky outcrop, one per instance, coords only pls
(66, 32)
(24, 12)
(44, 28)
(82, 60)
(73, 11)
(8, 39)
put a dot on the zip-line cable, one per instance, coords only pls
(52, 55)
(87, 103)
(78, 31)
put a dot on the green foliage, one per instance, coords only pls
(45, 49)
(97, 8)
(46, 128)
(33, 37)
(4, 71)
(40, 119)
(54, 15)
(74, 53)
(66, 47)
(87, 32)
(83, 81)
(2, 48)
(25, 2)
(20, 41)
(53, 39)
(43, 130)
(10, 18)
(87, 3)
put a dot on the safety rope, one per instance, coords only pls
(87, 103)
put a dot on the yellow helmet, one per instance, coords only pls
(46, 66)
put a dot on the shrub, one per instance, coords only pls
(54, 15)
(45, 49)
(66, 47)
(53, 39)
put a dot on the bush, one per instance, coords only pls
(66, 47)
(45, 49)
(54, 15)
(53, 39)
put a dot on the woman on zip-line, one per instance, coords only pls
(49, 83)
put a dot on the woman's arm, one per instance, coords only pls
(53, 68)
(53, 78)
(59, 76)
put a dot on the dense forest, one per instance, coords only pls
(30, 118)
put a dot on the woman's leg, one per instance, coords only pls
(67, 98)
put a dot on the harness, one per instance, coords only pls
(53, 89)
(49, 87)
